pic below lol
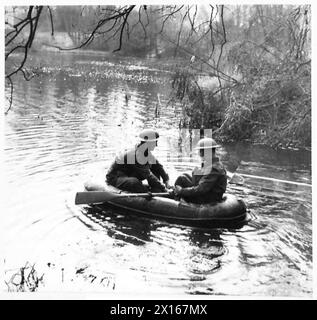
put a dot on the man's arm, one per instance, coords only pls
(155, 183)
(205, 185)
(158, 170)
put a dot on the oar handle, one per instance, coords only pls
(142, 195)
(92, 197)
(149, 194)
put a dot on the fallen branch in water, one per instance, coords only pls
(24, 280)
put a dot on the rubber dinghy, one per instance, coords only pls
(231, 212)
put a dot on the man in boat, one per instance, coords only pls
(137, 164)
(206, 184)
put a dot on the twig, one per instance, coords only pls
(51, 20)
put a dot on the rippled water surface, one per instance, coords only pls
(65, 127)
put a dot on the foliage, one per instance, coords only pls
(200, 107)
(25, 279)
(270, 101)
(273, 102)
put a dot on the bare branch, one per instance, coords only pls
(51, 20)
(11, 94)
(180, 32)
(219, 73)
(224, 35)
(139, 22)
(17, 30)
(192, 20)
(123, 26)
(143, 27)
(116, 16)
(170, 14)
(32, 34)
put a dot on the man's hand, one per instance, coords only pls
(177, 190)
(167, 184)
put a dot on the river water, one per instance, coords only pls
(66, 126)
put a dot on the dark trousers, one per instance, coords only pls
(184, 181)
(130, 184)
(133, 184)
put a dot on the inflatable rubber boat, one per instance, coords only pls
(231, 212)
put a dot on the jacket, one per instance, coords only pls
(127, 164)
(207, 187)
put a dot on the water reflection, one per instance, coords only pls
(133, 230)
(200, 250)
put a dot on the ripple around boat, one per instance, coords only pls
(230, 213)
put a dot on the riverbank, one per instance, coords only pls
(135, 69)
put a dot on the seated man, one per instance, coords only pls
(207, 184)
(132, 167)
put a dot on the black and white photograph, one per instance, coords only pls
(157, 150)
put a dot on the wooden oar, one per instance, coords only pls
(235, 178)
(93, 197)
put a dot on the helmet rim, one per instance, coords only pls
(206, 143)
(149, 133)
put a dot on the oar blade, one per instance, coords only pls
(235, 178)
(91, 197)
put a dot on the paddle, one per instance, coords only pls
(235, 178)
(93, 197)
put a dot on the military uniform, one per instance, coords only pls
(127, 173)
(207, 187)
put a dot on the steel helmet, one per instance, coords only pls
(149, 135)
(207, 143)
